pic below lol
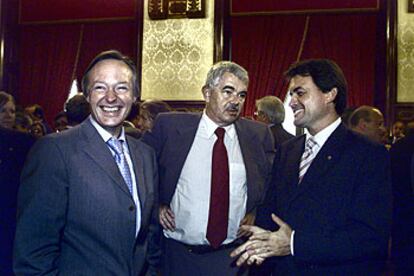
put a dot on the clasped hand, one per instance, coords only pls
(263, 244)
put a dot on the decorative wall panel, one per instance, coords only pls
(405, 79)
(176, 56)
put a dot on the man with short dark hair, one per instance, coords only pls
(270, 110)
(87, 197)
(328, 209)
(213, 168)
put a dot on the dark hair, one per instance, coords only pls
(115, 55)
(5, 98)
(326, 75)
(36, 110)
(134, 112)
(77, 109)
(154, 107)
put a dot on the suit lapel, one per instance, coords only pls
(186, 132)
(138, 166)
(94, 146)
(328, 155)
(293, 157)
(246, 140)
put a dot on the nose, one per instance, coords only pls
(111, 95)
(293, 101)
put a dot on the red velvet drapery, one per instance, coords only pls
(52, 55)
(267, 45)
(47, 57)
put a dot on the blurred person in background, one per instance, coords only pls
(397, 131)
(37, 130)
(369, 121)
(77, 110)
(60, 121)
(23, 121)
(7, 110)
(149, 110)
(37, 114)
(270, 110)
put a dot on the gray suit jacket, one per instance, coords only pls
(75, 213)
(173, 135)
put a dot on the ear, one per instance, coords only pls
(206, 93)
(331, 95)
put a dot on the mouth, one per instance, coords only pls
(111, 110)
(233, 111)
(298, 112)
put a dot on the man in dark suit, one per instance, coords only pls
(402, 250)
(87, 196)
(328, 210)
(14, 147)
(195, 243)
(270, 110)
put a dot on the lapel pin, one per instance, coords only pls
(329, 157)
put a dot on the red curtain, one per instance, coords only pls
(98, 37)
(47, 58)
(51, 55)
(350, 41)
(266, 46)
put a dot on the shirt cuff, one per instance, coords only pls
(291, 243)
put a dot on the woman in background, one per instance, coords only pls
(7, 110)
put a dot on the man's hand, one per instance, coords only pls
(264, 244)
(167, 218)
(247, 220)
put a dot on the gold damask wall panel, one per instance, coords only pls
(405, 92)
(176, 56)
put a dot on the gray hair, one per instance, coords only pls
(222, 67)
(273, 107)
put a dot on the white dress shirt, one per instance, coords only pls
(191, 200)
(106, 136)
(320, 138)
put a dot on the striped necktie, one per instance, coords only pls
(307, 157)
(120, 159)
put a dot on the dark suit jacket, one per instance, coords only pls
(341, 211)
(173, 135)
(403, 213)
(75, 213)
(14, 147)
(280, 135)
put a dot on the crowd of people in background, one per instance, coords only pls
(361, 128)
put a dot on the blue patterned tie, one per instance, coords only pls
(121, 161)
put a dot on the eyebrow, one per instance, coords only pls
(228, 87)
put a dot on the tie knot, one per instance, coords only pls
(220, 133)
(116, 145)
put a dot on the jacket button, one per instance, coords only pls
(131, 208)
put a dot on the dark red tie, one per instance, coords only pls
(218, 218)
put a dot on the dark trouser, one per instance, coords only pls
(181, 260)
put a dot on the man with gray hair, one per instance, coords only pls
(213, 167)
(270, 110)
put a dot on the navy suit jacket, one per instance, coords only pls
(14, 147)
(174, 133)
(341, 211)
(75, 213)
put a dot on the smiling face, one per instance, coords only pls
(224, 101)
(313, 109)
(8, 114)
(110, 94)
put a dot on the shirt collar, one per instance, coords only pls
(323, 135)
(105, 134)
(210, 127)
